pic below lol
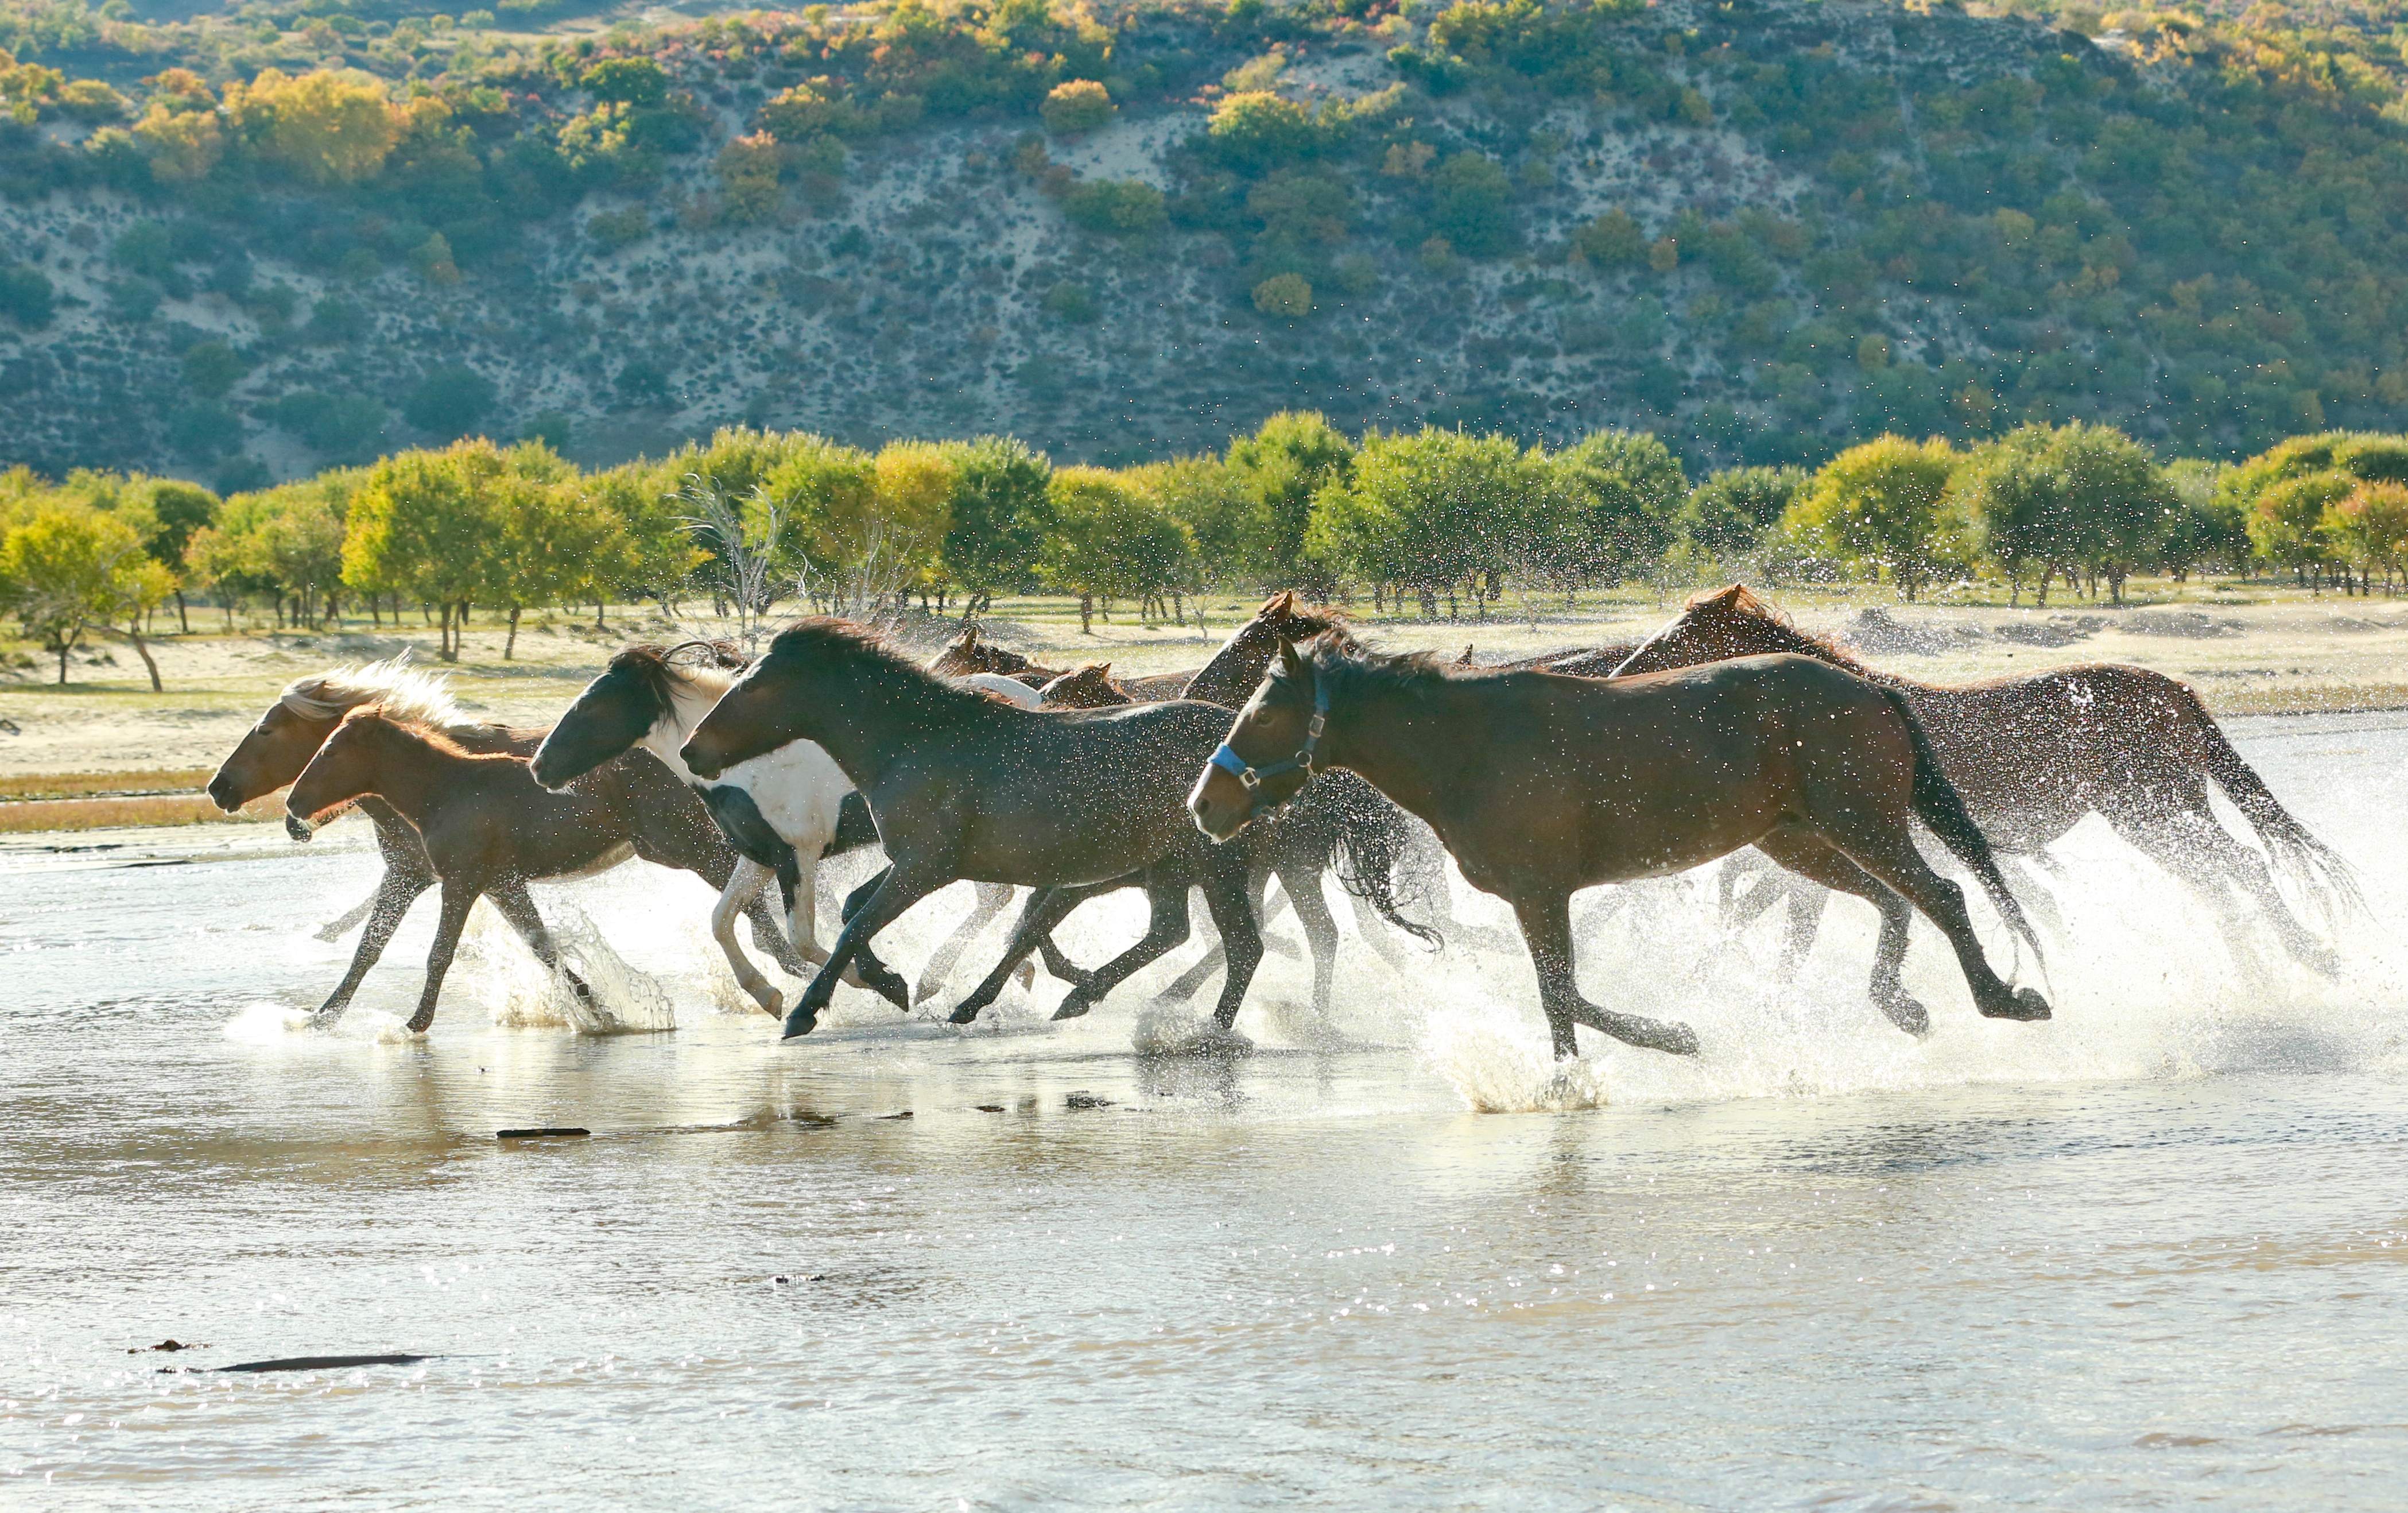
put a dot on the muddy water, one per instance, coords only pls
(2151, 1254)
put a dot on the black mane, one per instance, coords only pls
(858, 645)
(1348, 668)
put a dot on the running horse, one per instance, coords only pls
(489, 829)
(1074, 803)
(277, 749)
(2033, 754)
(1542, 785)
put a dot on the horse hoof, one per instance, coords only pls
(1671, 1039)
(2027, 1006)
(772, 1002)
(1072, 1008)
(799, 1023)
(1908, 1014)
(966, 1014)
(894, 990)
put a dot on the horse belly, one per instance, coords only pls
(604, 863)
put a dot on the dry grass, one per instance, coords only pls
(102, 784)
(109, 813)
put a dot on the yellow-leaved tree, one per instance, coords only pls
(66, 567)
(324, 125)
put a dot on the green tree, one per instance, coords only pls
(1883, 504)
(450, 400)
(1629, 489)
(1106, 540)
(998, 521)
(421, 525)
(1236, 538)
(1472, 203)
(1081, 105)
(1728, 512)
(2370, 529)
(71, 567)
(1438, 511)
(550, 536)
(1286, 464)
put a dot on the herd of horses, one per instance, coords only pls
(1296, 753)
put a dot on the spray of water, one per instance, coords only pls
(521, 993)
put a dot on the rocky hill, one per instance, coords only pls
(1759, 228)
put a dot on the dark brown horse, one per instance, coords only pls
(1087, 687)
(489, 829)
(971, 652)
(2032, 755)
(1074, 803)
(1543, 785)
(289, 734)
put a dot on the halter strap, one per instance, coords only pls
(1251, 777)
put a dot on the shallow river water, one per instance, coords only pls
(2152, 1254)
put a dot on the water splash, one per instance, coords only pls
(264, 1022)
(523, 994)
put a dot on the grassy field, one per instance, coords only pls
(105, 749)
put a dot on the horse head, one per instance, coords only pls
(1712, 627)
(1088, 687)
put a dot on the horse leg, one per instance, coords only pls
(1046, 908)
(336, 928)
(2202, 854)
(458, 899)
(517, 905)
(898, 890)
(399, 889)
(868, 972)
(1887, 852)
(1320, 930)
(993, 899)
(1547, 931)
(1167, 927)
(1813, 859)
(744, 884)
(1226, 895)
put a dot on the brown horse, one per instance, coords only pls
(2034, 754)
(1074, 803)
(1230, 677)
(1543, 785)
(1088, 687)
(290, 733)
(970, 653)
(488, 827)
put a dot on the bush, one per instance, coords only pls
(211, 368)
(1124, 208)
(1081, 105)
(1071, 302)
(1471, 204)
(27, 296)
(1285, 295)
(448, 401)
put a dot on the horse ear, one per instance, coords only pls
(1290, 659)
(1729, 597)
(1103, 669)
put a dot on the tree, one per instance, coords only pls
(2207, 528)
(1107, 540)
(1728, 513)
(2370, 528)
(71, 567)
(548, 535)
(1287, 463)
(1078, 105)
(1439, 509)
(1472, 203)
(1630, 489)
(327, 127)
(1881, 503)
(1236, 538)
(914, 482)
(996, 522)
(420, 526)
(449, 400)
(2116, 490)
(2284, 524)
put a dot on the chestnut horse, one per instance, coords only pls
(276, 750)
(2033, 754)
(489, 829)
(1074, 803)
(1543, 785)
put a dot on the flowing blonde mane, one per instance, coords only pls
(405, 692)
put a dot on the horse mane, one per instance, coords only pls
(657, 669)
(862, 646)
(1740, 601)
(1349, 668)
(410, 726)
(408, 693)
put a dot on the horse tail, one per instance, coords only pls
(2316, 867)
(1940, 807)
(1370, 828)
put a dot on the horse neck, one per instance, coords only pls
(1230, 676)
(1770, 639)
(689, 700)
(408, 772)
(1408, 746)
(882, 712)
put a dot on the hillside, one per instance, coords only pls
(1759, 229)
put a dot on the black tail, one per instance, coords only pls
(2316, 867)
(1939, 805)
(1369, 830)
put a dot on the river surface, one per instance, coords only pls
(2152, 1254)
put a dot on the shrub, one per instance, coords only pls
(1081, 105)
(1124, 207)
(1071, 302)
(26, 295)
(1472, 203)
(449, 400)
(1285, 295)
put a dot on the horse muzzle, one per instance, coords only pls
(701, 763)
(297, 827)
(223, 794)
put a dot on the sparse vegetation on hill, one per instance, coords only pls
(261, 241)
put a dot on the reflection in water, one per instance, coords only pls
(2147, 1254)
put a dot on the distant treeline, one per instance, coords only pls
(755, 518)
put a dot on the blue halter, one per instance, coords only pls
(1230, 762)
